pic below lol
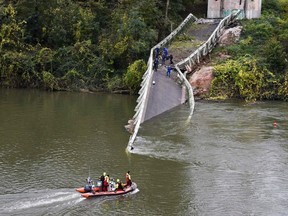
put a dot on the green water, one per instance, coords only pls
(229, 160)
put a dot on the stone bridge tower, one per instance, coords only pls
(221, 8)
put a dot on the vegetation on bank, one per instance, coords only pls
(258, 66)
(103, 45)
(74, 44)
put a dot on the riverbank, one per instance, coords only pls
(251, 67)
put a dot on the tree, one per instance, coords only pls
(10, 30)
(129, 37)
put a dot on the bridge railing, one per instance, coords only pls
(207, 47)
(142, 100)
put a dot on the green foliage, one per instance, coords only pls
(73, 80)
(65, 44)
(56, 42)
(259, 30)
(11, 29)
(242, 78)
(17, 69)
(129, 40)
(44, 58)
(114, 83)
(283, 89)
(84, 59)
(275, 56)
(50, 82)
(274, 6)
(184, 37)
(261, 73)
(133, 76)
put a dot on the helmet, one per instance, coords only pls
(104, 173)
(118, 180)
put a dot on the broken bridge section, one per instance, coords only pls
(160, 93)
(167, 92)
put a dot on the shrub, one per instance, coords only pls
(114, 83)
(283, 90)
(275, 56)
(73, 79)
(50, 82)
(242, 78)
(133, 76)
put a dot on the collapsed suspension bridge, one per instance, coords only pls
(153, 98)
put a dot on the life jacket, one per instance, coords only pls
(119, 186)
(128, 179)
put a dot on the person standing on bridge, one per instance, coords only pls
(164, 55)
(157, 51)
(163, 58)
(155, 64)
(171, 59)
(165, 51)
(168, 71)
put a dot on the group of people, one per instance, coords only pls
(165, 57)
(105, 179)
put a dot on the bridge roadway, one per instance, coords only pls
(164, 95)
(167, 93)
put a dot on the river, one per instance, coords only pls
(228, 160)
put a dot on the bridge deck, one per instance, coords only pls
(166, 93)
(199, 34)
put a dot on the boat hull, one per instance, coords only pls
(110, 193)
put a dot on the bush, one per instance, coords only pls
(275, 56)
(283, 90)
(243, 78)
(50, 82)
(114, 83)
(73, 79)
(133, 76)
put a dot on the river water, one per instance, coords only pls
(228, 160)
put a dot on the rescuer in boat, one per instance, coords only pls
(119, 185)
(106, 182)
(89, 181)
(128, 179)
(89, 185)
(102, 178)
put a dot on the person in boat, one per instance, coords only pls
(118, 185)
(128, 179)
(106, 182)
(102, 178)
(89, 180)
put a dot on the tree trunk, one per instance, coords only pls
(166, 12)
